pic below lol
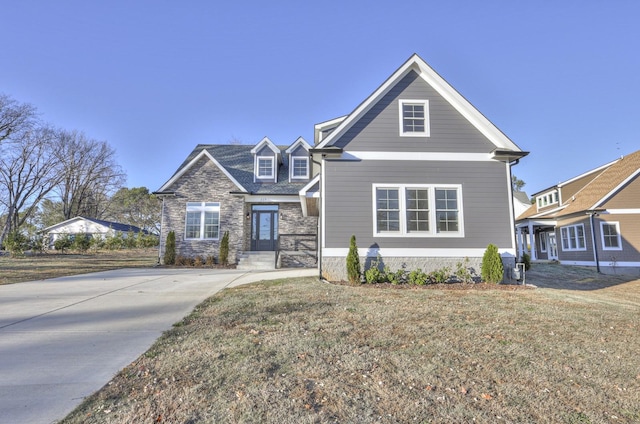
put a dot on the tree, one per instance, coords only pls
(27, 174)
(170, 249)
(135, 206)
(492, 270)
(353, 262)
(15, 118)
(516, 183)
(224, 249)
(89, 175)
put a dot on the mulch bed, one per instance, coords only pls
(445, 286)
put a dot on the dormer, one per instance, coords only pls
(547, 198)
(298, 157)
(323, 129)
(266, 159)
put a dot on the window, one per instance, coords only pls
(300, 167)
(265, 167)
(543, 242)
(414, 118)
(610, 236)
(203, 220)
(573, 237)
(417, 210)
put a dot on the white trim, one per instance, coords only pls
(618, 187)
(432, 211)
(584, 174)
(431, 77)
(512, 218)
(577, 248)
(415, 253)
(418, 156)
(265, 177)
(427, 126)
(299, 142)
(602, 263)
(579, 263)
(323, 197)
(202, 209)
(304, 194)
(188, 166)
(265, 141)
(270, 198)
(623, 211)
(619, 237)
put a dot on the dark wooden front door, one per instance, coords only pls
(264, 227)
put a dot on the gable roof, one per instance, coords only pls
(300, 141)
(237, 163)
(116, 226)
(596, 192)
(431, 77)
(268, 143)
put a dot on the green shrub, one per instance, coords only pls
(170, 249)
(16, 243)
(418, 278)
(224, 249)
(353, 262)
(440, 276)
(492, 270)
(130, 240)
(398, 277)
(114, 241)
(526, 260)
(373, 275)
(81, 242)
(463, 272)
(64, 241)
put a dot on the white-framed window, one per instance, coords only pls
(573, 237)
(543, 242)
(299, 167)
(547, 199)
(202, 220)
(415, 210)
(264, 167)
(610, 235)
(414, 118)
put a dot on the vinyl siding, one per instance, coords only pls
(349, 201)
(576, 255)
(627, 198)
(378, 129)
(630, 236)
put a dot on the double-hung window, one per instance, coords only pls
(414, 118)
(610, 232)
(299, 167)
(417, 210)
(573, 237)
(264, 167)
(203, 220)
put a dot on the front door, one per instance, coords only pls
(552, 246)
(264, 227)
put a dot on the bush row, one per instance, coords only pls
(417, 277)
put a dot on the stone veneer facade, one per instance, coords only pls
(205, 182)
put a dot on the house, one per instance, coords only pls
(592, 219)
(419, 175)
(87, 226)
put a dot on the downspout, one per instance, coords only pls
(161, 228)
(593, 239)
(513, 208)
(319, 236)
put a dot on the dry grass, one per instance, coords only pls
(301, 351)
(51, 265)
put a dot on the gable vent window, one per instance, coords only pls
(414, 118)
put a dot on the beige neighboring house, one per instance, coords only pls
(590, 220)
(88, 226)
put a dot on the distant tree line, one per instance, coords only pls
(48, 175)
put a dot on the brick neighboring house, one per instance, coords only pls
(592, 219)
(418, 174)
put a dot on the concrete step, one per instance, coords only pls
(256, 261)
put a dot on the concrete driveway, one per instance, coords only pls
(64, 338)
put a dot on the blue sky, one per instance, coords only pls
(155, 78)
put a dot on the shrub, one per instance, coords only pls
(130, 240)
(114, 241)
(211, 260)
(198, 261)
(526, 260)
(492, 270)
(418, 278)
(373, 275)
(64, 241)
(16, 243)
(463, 273)
(224, 249)
(82, 242)
(398, 277)
(440, 276)
(353, 262)
(170, 249)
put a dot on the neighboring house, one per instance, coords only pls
(521, 202)
(591, 220)
(419, 175)
(87, 226)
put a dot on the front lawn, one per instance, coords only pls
(302, 351)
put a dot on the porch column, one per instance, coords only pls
(519, 242)
(532, 242)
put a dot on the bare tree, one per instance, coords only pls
(27, 174)
(89, 175)
(15, 118)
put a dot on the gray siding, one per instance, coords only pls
(576, 255)
(349, 201)
(378, 129)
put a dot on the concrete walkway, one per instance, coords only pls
(64, 338)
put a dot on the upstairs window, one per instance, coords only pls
(414, 118)
(299, 168)
(264, 167)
